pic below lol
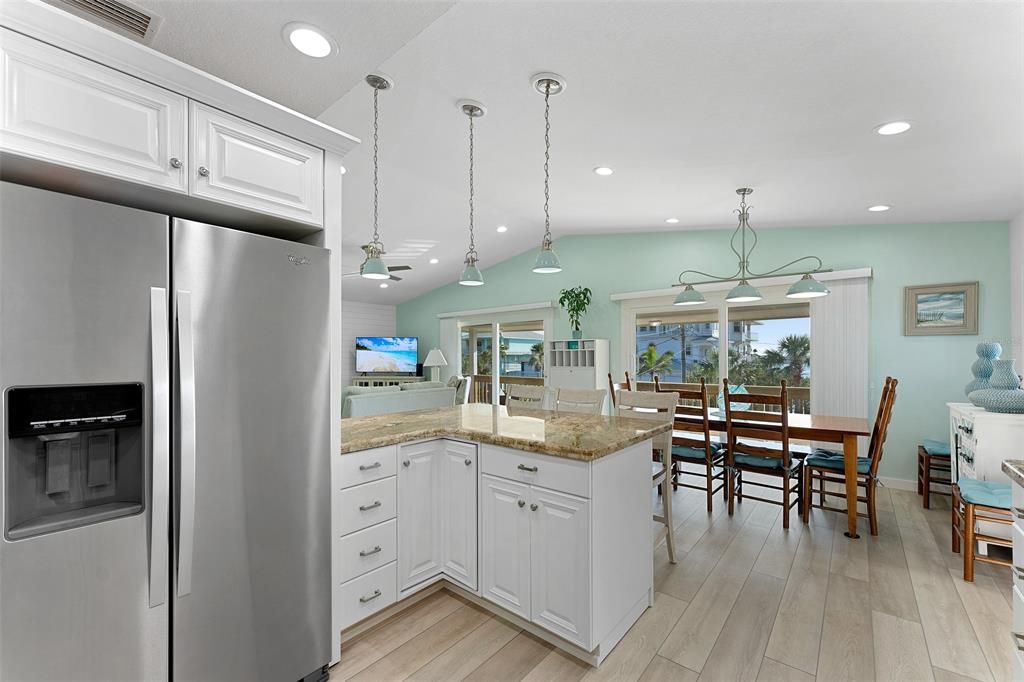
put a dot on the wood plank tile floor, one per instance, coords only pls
(746, 601)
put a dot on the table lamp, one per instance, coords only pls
(434, 360)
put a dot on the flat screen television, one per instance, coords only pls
(386, 354)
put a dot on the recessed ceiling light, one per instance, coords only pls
(502, 228)
(433, 261)
(603, 170)
(893, 128)
(309, 40)
(671, 221)
(383, 285)
(878, 208)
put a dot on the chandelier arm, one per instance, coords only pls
(710, 278)
(817, 268)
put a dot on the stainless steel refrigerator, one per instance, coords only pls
(165, 476)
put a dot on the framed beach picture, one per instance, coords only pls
(940, 309)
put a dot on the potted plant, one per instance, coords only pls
(575, 301)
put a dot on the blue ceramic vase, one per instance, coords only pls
(1004, 394)
(982, 367)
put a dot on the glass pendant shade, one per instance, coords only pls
(471, 276)
(374, 268)
(744, 292)
(547, 262)
(807, 287)
(689, 296)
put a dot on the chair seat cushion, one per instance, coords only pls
(697, 454)
(989, 493)
(764, 462)
(936, 447)
(828, 459)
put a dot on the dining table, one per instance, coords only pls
(818, 428)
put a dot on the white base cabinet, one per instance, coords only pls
(505, 544)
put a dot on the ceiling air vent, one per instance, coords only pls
(128, 20)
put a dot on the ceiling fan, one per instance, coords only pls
(391, 268)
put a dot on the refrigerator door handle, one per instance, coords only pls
(159, 504)
(187, 439)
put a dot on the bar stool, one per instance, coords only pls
(976, 502)
(933, 457)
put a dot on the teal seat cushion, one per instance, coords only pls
(763, 462)
(828, 459)
(936, 447)
(989, 493)
(693, 453)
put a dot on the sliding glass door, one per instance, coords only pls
(498, 354)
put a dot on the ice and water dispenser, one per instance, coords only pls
(75, 456)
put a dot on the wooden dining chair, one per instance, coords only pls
(692, 443)
(750, 437)
(657, 407)
(523, 395)
(614, 388)
(579, 400)
(826, 466)
(976, 502)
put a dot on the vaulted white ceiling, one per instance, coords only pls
(684, 100)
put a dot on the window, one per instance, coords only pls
(770, 343)
(683, 348)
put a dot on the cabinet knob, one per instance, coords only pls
(204, 172)
(405, 463)
(533, 507)
(175, 162)
(469, 462)
(521, 503)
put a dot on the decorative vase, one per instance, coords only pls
(982, 367)
(1004, 394)
(577, 333)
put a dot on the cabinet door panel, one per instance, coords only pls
(59, 107)
(459, 512)
(505, 544)
(419, 519)
(239, 163)
(560, 564)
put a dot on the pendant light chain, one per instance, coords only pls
(376, 234)
(472, 242)
(547, 161)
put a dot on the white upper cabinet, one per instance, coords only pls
(60, 108)
(237, 162)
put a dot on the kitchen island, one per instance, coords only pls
(541, 517)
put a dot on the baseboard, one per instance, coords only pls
(898, 483)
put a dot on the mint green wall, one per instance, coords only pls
(932, 369)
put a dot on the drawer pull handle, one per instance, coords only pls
(405, 463)
(521, 503)
(533, 507)
(469, 462)
(368, 507)
(1018, 640)
(369, 552)
(1019, 512)
(368, 467)
(363, 600)
(523, 467)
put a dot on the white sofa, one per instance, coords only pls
(358, 401)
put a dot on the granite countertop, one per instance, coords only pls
(582, 437)
(1014, 468)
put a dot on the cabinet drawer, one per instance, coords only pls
(365, 505)
(59, 107)
(368, 465)
(555, 473)
(239, 163)
(366, 595)
(365, 550)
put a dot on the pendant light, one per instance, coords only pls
(744, 291)
(471, 275)
(374, 267)
(547, 84)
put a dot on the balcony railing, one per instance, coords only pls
(481, 387)
(799, 396)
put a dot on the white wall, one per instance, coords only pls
(1017, 289)
(361, 319)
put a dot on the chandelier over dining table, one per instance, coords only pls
(744, 291)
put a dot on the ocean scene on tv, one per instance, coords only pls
(386, 354)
